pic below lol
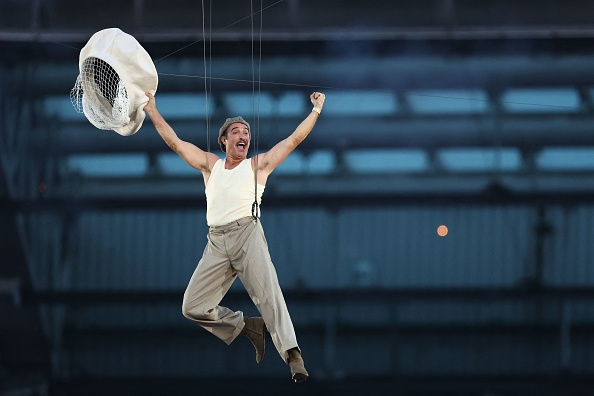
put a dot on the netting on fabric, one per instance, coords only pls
(100, 94)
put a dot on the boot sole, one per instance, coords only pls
(300, 377)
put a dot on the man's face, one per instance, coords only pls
(237, 140)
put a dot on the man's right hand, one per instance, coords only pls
(151, 105)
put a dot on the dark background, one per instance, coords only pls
(477, 115)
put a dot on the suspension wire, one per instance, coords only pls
(206, 90)
(179, 49)
(221, 29)
(259, 71)
(209, 71)
(256, 111)
(272, 83)
(255, 204)
(317, 87)
(257, 137)
(335, 88)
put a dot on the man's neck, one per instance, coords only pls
(231, 163)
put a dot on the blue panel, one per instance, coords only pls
(61, 107)
(480, 160)
(569, 251)
(566, 158)
(291, 104)
(360, 103)
(386, 161)
(248, 105)
(184, 105)
(108, 164)
(318, 162)
(448, 101)
(384, 247)
(554, 100)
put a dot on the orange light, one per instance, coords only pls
(42, 187)
(442, 230)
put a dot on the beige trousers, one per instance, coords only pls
(238, 248)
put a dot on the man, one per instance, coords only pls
(236, 243)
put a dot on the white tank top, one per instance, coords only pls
(230, 193)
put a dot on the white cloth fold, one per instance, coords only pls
(135, 68)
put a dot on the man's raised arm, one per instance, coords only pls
(193, 155)
(268, 161)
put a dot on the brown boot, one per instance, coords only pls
(298, 371)
(255, 330)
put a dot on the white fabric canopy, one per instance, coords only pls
(122, 111)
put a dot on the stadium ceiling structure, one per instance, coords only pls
(428, 101)
(432, 96)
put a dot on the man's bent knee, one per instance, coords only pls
(196, 312)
